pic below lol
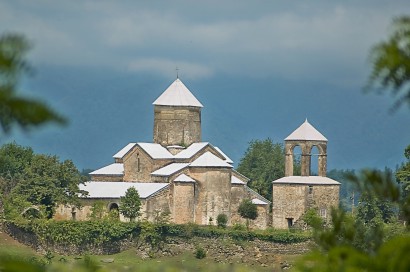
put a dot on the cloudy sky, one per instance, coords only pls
(260, 68)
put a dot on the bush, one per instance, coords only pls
(222, 220)
(238, 226)
(200, 253)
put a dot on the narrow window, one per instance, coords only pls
(323, 212)
(138, 164)
(73, 213)
(310, 189)
(290, 222)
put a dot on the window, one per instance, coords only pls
(290, 222)
(310, 189)
(73, 213)
(323, 212)
(138, 165)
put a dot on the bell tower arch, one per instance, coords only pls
(307, 137)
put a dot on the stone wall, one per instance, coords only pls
(177, 125)
(221, 249)
(155, 205)
(138, 165)
(291, 201)
(183, 202)
(213, 189)
(116, 178)
(69, 212)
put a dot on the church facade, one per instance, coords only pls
(194, 181)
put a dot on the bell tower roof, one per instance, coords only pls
(306, 132)
(177, 94)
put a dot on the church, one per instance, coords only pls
(177, 173)
(194, 181)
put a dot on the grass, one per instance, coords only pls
(128, 261)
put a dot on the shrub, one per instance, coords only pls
(200, 253)
(238, 226)
(222, 220)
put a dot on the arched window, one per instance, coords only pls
(314, 161)
(113, 211)
(297, 160)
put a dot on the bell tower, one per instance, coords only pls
(177, 116)
(306, 136)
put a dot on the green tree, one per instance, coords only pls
(15, 109)
(347, 195)
(403, 173)
(36, 179)
(130, 204)
(248, 210)
(391, 63)
(263, 162)
(222, 220)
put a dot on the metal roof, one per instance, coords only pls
(120, 154)
(177, 94)
(169, 169)
(308, 180)
(106, 189)
(112, 169)
(209, 160)
(191, 150)
(306, 132)
(184, 178)
(227, 159)
(235, 180)
(156, 151)
(259, 202)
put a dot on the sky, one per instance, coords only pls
(258, 67)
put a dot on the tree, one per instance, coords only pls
(262, 163)
(14, 109)
(364, 244)
(248, 210)
(130, 204)
(403, 173)
(36, 179)
(391, 63)
(222, 220)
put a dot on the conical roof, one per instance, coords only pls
(177, 94)
(306, 132)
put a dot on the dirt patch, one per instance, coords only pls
(6, 240)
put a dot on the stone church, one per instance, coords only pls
(177, 173)
(194, 181)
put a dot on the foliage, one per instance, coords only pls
(348, 197)
(312, 219)
(356, 242)
(248, 210)
(162, 217)
(222, 220)
(86, 234)
(200, 252)
(35, 179)
(130, 204)
(391, 62)
(78, 233)
(403, 173)
(14, 109)
(263, 162)
(97, 210)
